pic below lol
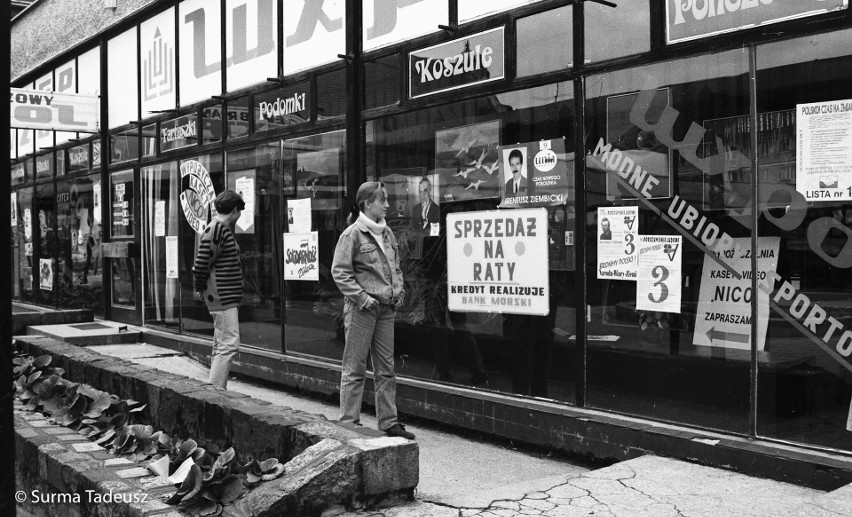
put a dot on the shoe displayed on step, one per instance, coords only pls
(399, 430)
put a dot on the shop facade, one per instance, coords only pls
(676, 247)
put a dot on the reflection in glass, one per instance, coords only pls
(427, 159)
(545, 42)
(161, 212)
(613, 32)
(254, 174)
(313, 169)
(804, 379)
(239, 115)
(79, 274)
(647, 356)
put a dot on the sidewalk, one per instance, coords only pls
(463, 477)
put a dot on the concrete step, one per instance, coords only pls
(837, 502)
(92, 333)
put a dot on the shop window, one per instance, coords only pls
(254, 174)
(45, 246)
(23, 257)
(239, 115)
(804, 133)
(124, 147)
(453, 162)
(161, 216)
(79, 273)
(202, 178)
(331, 94)
(149, 140)
(669, 324)
(211, 124)
(381, 82)
(313, 187)
(613, 32)
(545, 42)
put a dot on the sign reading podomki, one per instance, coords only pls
(475, 59)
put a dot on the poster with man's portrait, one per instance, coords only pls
(535, 174)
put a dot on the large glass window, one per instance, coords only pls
(545, 42)
(80, 278)
(161, 215)
(667, 176)
(313, 176)
(254, 174)
(451, 159)
(804, 137)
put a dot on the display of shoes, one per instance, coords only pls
(399, 430)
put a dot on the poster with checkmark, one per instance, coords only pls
(658, 286)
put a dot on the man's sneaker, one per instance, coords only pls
(399, 430)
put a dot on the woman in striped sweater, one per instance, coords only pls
(217, 277)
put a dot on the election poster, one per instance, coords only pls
(723, 318)
(824, 150)
(658, 286)
(299, 215)
(301, 256)
(534, 174)
(618, 228)
(497, 261)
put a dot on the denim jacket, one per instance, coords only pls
(361, 270)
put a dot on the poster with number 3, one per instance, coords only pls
(658, 287)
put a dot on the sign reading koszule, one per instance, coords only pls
(463, 62)
(497, 261)
(533, 174)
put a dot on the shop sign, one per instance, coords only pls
(178, 133)
(53, 111)
(18, 172)
(618, 229)
(44, 165)
(197, 197)
(460, 63)
(723, 318)
(694, 19)
(534, 174)
(282, 107)
(809, 318)
(78, 158)
(824, 150)
(301, 256)
(497, 261)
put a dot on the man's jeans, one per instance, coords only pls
(226, 343)
(368, 330)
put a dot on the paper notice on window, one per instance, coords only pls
(14, 203)
(658, 286)
(245, 188)
(616, 236)
(824, 150)
(96, 196)
(299, 215)
(171, 256)
(28, 224)
(159, 219)
(301, 256)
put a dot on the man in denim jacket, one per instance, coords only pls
(366, 270)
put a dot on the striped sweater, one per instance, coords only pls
(216, 274)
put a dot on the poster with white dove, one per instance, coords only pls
(467, 162)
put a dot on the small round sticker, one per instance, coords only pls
(545, 160)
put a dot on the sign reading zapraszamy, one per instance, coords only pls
(693, 19)
(497, 261)
(474, 59)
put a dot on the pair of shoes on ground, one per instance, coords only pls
(399, 430)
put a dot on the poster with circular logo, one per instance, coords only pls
(196, 199)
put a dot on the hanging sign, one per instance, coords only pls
(282, 107)
(301, 256)
(533, 174)
(53, 111)
(460, 63)
(171, 256)
(824, 150)
(724, 301)
(658, 284)
(178, 133)
(197, 197)
(497, 261)
(693, 19)
(618, 228)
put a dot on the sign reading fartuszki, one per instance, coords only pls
(475, 59)
(497, 261)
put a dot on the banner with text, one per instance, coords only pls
(497, 261)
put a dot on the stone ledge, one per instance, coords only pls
(363, 468)
(22, 320)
